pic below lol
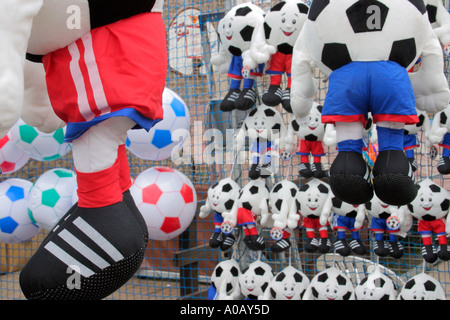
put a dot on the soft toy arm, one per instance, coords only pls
(240, 138)
(429, 82)
(291, 138)
(443, 20)
(436, 132)
(205, 209)
(303, 86)
(426, 131)
(329, 136)
(281, 218)
(264, 212)
(222, 60)
(260, 51)
(405, 218)
(360, 216)
(293, 216)
(326, 211)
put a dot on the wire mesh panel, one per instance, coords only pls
(181, 268)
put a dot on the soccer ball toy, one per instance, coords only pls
(289, 284)
(15, 223)
(40, 145)
(330, 284)
(166, 199)
(51, 197)
(376, 286)
(255, 280)
(166, 136)
(422, 287)
(225, 280)
(12, 157)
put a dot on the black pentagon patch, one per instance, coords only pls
(304, 187)
(302, 8)
(432, 11)
(363, 281)
(264, 286)
(316, 8)
(410, 207)
(320, 108)
(247, 205)
(335, 55)
(445, 205)
(219, 271)
(368, 205)
(293, 192)
(322, 188)
(269, 112)
(229, 204)
(227, 187)
(298, 205)
(385, 297)
(247, 32)
(428, 217)
(229, 287)
(235, 51)
(434, 188)
(278, 6)
(384, 215)
(295, 125)
(347, 296)
(242, 12)
(367, 16)
(254, 190)
(252, 112)
(420, 5)
(276, 127)
(421, 120)
(352, 214)
(341, 280)
(411, 283)
(314, 292)
(285, 48)
(443, 118)
(323, 277)
(267, 30)
(311, 137)
(298, 277)
(337, 203)
(234, 271)
(379, 282)
(273, 293)
(259, 271)
(277, 187)
(429, 286)
(403, 52)
(214, 185)
(280, 276)
(278, 204)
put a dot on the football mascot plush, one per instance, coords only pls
(105, 67)
(365, 48)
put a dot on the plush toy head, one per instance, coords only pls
(252, 194)
(312, 196)
(376, 286)
(422, 287)
(330, 284)
(315, 129)
(282, 191)
(339, 32)
(343, 208)
(283, 23)
(226, 273)
(264, 122)
(223, 194)
(377, 208)
(255, 280)
(237, 26)
(289, 284)
(432, 201)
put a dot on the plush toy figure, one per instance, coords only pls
(440, 133)
(282, 25)
(266, 132)
(376, 286)
(411, 141)
(255, 280)
(381, 214)
(440, 21)
(310, 142)
(225, 281)
(236, 32)
(221, 198)
(282, 201)
(289, 284)
(249, 209)
(365, 48)
(430, 208)
(345, 216)
(422, 287)
(101, 241)
(330, 284)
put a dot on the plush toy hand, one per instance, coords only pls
(204, 211)
(329, 136)
(280, 220)
(436, 134)
(293, 220)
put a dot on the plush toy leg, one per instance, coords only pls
(217, 236)
(247, 97)
(317, 168)
(283, 244)
(16, 19)
(443, 250)
(349, 173)
(252, 239)
(286, 97)
(228, 102)
(101, 243)
(395, 247)
(379, 247)
(393, 177)
(304, 168)
(428, 250)
(324, 243)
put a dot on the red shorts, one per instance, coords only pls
(118, 66)
(428, 227)
(306, 147)
(311, 223)
(245, 216)
(279, 63)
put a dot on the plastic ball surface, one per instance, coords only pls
(51, 196)
(15, 224)
(167, 200)
(167, 135)
(12, 157)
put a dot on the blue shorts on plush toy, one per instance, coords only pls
(381, 87)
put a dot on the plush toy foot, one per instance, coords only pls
(324, 246)
(341, 246)
(311, 245)
(255, 171)
(216, 240)
(280, 245)
(429, 253)
(286, 100)
(304, 170)
(246, 99)
(227, 242)
(228, 102)
(131, 205)
(272, 97)
(396, 249)
(393, 178)
(380, 249)
(89, 255)
(254, 242)
(413, 163)
(318, 170)
(443, 252)
(358, 247)
(350, 178)
(266, 170)
(443, 165)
